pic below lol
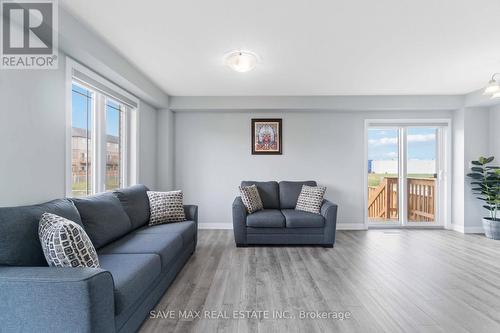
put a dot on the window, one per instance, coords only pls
(102, 126)
(114, 127)
(82, 105)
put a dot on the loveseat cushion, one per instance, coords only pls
(19, 241)
(300, 219)
(132, 275)
(135, 202)
(186, 229)
(103, 218)
(167, 246)
(267, 218)
(289, 192)
(268, 192)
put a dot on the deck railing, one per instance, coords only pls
(383, 199)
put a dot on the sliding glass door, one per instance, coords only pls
(404, 164)
(421, 174)
(383, 175)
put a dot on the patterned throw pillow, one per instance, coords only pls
(166, 207)
(251, 198)
(311, 199)
(65, 243)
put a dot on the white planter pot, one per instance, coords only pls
(491, 228)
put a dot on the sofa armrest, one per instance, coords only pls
(49, 299)
(192, 215)
(191, 212)
(239, 221)
(329, 212)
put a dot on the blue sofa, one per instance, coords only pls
(138, 263)
(279, 223)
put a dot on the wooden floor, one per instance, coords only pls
(388, 280)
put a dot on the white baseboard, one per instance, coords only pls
(467, 230)
(351, 226)
(229, 226)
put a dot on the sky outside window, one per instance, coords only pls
(383, 144)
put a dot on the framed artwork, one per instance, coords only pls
(267, 137)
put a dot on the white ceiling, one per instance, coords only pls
(307, 47)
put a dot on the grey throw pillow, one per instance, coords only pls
(310, 199)
(65, 243)
(166, 207)
(251, 198)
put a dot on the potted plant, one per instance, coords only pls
(486, 185)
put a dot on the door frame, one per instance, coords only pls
(443, 201)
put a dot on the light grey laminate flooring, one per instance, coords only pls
(385, 281)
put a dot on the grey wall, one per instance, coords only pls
(473, 136)
(148, 117)
(212, 156)
(458, 176)
(476, 144)
(165, 150)
(32, 135)
(33, 117)
(494, 131)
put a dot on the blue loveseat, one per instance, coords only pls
(279, 223)
(138, 263)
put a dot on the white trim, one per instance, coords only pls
(467, 230)
(351, 226)
(134, 145)
(99, 144)
(74, 65)
(68, 153)
(221, 226)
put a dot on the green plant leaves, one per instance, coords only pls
(486, 183)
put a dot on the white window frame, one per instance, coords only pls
(129, 135)
(443, 207)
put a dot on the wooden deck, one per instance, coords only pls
(383, 200)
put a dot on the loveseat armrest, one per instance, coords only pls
(329, 212)
(191, 212)
(49, 299)
(239, 222)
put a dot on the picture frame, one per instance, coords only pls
(267, 136)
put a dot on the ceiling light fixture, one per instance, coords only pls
(241, 61)
(493, 87)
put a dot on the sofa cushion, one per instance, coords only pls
(19, 241)
(65, 243)
(186, 229)
(289, 192)
(285, 231)
(267, 218)
(268, 192)
(132, 275)
(300, 219)
(103, 218)
(167, 246)
(135, 202)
